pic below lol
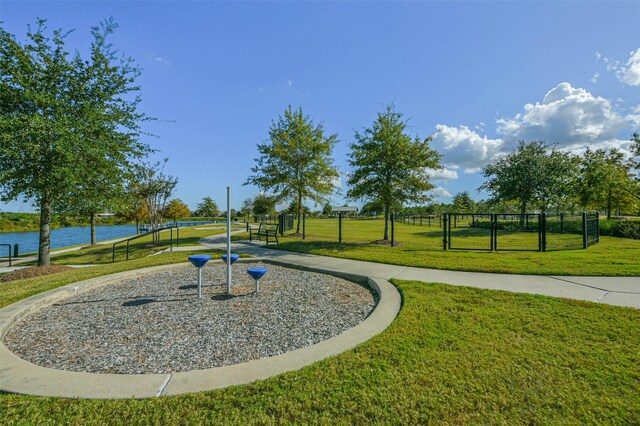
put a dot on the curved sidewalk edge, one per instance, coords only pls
(20, 376)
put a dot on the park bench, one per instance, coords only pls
(265, 230)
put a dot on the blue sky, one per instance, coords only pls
(481, 74)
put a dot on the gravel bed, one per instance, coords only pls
(157, 324)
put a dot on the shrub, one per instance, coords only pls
(620, 228)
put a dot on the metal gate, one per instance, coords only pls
(493, 232)
(465, 231)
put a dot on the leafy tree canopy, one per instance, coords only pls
(295, 163)
(390, 167)
(264, 205)
(61, 116)
(154, 188)
(207, 208)
(606, 182)
(176, 209)
(534, 174)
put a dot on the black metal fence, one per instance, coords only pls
(285, 221)
(519, 232)
(418, 220)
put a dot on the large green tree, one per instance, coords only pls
(60, 115)
(264, 205)
(463, 203)
(534, 174)
(207, 208)
(606, 181)
(389, 167)
(176, 209)
(295, 164)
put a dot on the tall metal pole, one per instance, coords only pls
(228, 240)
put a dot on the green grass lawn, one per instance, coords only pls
(453, 355)
(422, 247)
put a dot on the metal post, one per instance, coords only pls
(200, 283)
(171, 239)
(177, 237)
(127, 257)
(304, 226)
(443, 220)
(584, 230)
(420, 220)
(543, 218)
(561, 223)
(15, 250)
(393, 232)
(228, 240)
(340, 227)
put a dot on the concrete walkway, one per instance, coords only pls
(619, 291)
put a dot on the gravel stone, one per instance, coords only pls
(157, 324)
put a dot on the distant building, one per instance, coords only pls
(348, 211)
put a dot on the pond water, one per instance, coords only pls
(64, 237)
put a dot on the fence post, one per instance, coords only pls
(171, 239)
(584, 230)
(178, 237)
(597, 226)
(304, 226)
(561, 223)
(443, 219)
(393, 232)
(340, 227)
(420, 220)
(494, 232)
(542, 231)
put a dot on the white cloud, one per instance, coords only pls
(154, 57)
(630, 73)
(446, 173)
(440, 192)
(594, 79)
(634, 117)
(598, 56)
(567, 116)
(572, 118)
(289, 83)
(464, 147)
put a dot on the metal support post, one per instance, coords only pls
(393, 232)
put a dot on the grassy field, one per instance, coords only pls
(453, 355)
(422, 247)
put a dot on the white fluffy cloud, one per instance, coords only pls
(440, 192)
(446, 173)
(571, 117)
(630, 73)
(567, 116)
(463, 147)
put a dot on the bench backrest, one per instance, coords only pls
(268, 228)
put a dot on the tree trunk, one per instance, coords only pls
(92, 218)
(386, 223)
(298, 208)
(44, 247)
(609, 204)
(523, 211)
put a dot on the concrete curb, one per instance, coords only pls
(20, 376)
